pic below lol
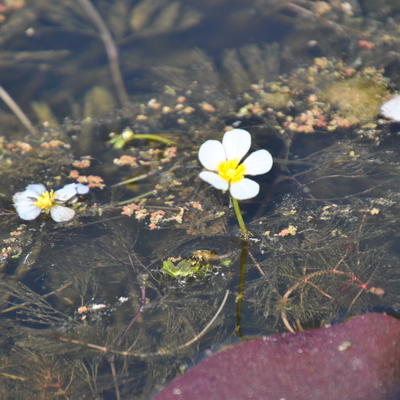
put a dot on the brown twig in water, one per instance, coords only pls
(256, 263)
(15, 108)
(27, 303)
(14, 377)
(205, 329)
(115, 379)
(161, 352)
(300, 10)
(111, 50)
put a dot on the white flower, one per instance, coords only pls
(224, 160)
(36, 198)
(391, 109)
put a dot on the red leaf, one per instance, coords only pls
(355, 360)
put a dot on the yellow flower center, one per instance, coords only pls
(46, 200)
(231, 171)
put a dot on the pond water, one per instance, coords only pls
(152, 275)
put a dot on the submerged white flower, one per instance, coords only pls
(224, 168)
(36, 199)
(391, 109)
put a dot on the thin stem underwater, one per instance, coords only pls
(239, 217)
(111, 50)
(240, 292)
(15, 108)
(151, 136)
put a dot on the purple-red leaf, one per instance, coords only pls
(356, 360)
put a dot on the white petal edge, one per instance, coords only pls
(81, 188)
(24, 204)
(214, 180)
(236, 143)
(391, 109)
(66, 193)
(28, 212)
(24, 198)
(211, 154)
(258, 162)
(36, 188)
(61, 214)
(244, 189)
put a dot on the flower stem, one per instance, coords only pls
(240, 293)
(239, 217)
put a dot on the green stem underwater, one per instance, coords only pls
(150, 136)
(239, 217)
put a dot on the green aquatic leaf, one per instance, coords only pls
(185, 268)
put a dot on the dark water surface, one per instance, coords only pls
(86, 310)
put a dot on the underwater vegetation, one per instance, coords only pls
(148, 272)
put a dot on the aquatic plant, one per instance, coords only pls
(186, 268)
(324, 236)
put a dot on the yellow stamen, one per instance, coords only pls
(46, 200)
(231, 171)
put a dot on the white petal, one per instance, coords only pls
(236, 143)
(28, 212)
(36, 188)
(29, 195)
(211, 154)
(60, 213)
(258, 162)
(24, 198)
(66, 193)
(24, 204)
(214, 180)
(244, 189)
(391, 109)
(81, 189)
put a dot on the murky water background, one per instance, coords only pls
(86, 311)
